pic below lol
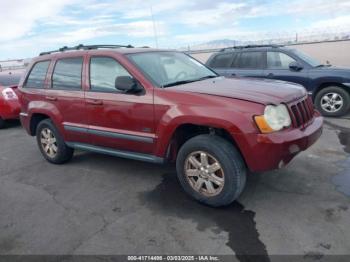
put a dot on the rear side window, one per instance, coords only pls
(249, 60)
(222, 61)
(37, 75)
(67, 74)
(278, 60)
(103, 72)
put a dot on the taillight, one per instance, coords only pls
(9, 94)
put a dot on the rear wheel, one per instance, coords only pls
(51, 143)
(332, 101)
(211, 170)
(2, 123)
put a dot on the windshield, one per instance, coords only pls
(170, 68)
(311, 61)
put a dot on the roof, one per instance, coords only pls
(102, 48)
(251, 47)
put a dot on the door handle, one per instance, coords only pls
(51, 98)
(270, 75)
(233, 74)
(95, 102)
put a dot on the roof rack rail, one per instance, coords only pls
(249, 46)
(85, 47)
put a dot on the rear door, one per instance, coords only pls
(119, 120)
(34, 87)
(248, 64)
(221, 63)
(278, 68)
(67, 96)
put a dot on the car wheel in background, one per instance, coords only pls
(51, 143)
(332, 101)
(211, 170)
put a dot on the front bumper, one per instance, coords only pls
(264, 152)
(9, 109)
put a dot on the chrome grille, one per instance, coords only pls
(302, 112)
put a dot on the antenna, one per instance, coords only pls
(154, 27)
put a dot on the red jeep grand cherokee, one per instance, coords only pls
(9, 104)
(159, 105)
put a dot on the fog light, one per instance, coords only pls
(281, 164)
(293, 149)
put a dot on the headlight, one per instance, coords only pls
(275, 118)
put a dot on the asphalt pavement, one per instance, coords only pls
(102, 205)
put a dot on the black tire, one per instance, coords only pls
(231, 162)
(63, 154)
(337, 90)
(2, 123)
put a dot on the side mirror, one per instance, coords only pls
(127, 84)
(295, 66)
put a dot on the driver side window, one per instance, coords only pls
(278, 60)
(103, 72)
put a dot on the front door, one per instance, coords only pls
(118, 120)
(278, 68)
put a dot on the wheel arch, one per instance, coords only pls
(328, 84)
(35, 119)
(185, 131)
(38, 111)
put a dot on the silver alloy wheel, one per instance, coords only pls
(204, 173)
(48, 142)
(332, 102)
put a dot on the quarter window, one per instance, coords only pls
(249, 60)
(67, 73)
(103, 72)
(278, 60)
(36, 78)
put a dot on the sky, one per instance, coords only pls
(29, 27)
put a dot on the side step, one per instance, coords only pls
(118, 153)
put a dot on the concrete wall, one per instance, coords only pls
(337, 52)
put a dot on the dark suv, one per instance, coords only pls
(328, 85)
(160, 105)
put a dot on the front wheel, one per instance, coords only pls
(332, 101)
(51, 143)
(211, 170)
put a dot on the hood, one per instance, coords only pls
(261, 91)
(336, 69)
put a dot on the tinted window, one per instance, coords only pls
(9, 80)
(278, 60)
(36, 78)
(67, 73)
(103, 72)
(222, 61)
(249, 60)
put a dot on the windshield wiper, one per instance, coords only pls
(181, 82)
(205, 77)
(322, 65)
(178, 83)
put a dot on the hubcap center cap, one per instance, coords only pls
(204, 173)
